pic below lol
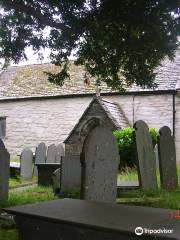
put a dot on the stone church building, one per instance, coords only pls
(33, 110)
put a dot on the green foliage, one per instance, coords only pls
(17, 181)
(10, 234)
(159, 198)
(30, 195)
(154, 135)
(114, 40)
(127, 146)
(72, 193)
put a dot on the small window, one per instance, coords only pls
(2, 127)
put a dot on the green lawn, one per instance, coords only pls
(129, 174)
(159, 198)
(8, 234)
(14, 158)
(18, 181)
(31, 195)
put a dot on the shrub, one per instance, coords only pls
(127, 146)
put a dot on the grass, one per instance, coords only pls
(18, 181)
(128, 174)
(159, 198)
(14, 158)
(31, 195)
(8, 234)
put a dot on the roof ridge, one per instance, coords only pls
(108, 101)
(109, 113)
(122, 111)
(35, 64)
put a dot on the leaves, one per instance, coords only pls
(118, 42)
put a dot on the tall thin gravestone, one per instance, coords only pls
(156, 156)
(101, 161)
(146, 156)
(59, 153)
(56, 178)
(51, 154)
(4, 172)
(167, 159)
(40, 155)
(26, 163)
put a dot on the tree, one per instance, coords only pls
(118, 42)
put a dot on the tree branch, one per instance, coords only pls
(36, 13)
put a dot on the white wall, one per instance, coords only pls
(32, 121)
(177, 128)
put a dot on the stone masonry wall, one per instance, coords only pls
(177, 128)
(32, 121)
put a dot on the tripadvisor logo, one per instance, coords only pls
(139, 231)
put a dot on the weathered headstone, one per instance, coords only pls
(156, 155)
(167, 159)
(146, 156)
(101, 161)
(40, 155)
(26, 163)
(4, 172)
(71, 172)
(56, 180)
(51, 154)
(59, 153)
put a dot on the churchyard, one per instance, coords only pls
(97, 179)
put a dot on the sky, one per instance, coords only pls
(33, 58)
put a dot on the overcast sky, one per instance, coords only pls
(33, 58)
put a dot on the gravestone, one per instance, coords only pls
(56, 180)
(146, 156)
(51, 154)
(101, 161)
(26, 163)
(167, 159)
(4, 172)
(59, 153)
(156, 155)
(40, 155)
(71, 172)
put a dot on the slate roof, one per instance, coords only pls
(112, 110)
(115, 112)
(31, 80)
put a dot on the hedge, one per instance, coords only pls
(127, 147)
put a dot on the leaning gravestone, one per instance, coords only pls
(101, 161)
(146, 156)
(40, 155)
(51, 154)
(26, 163)
(56, 178)
(4, 172)
(167, 159)
(59, 153)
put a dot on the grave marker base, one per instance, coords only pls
(45, 173)
(68, 219)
